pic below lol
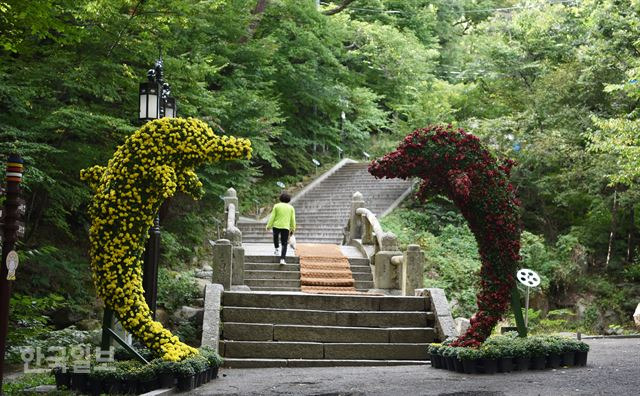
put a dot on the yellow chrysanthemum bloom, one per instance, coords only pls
(152, 164)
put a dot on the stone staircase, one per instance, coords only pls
(278, 329)
(274, 324)
(262, 272)
(322, 211)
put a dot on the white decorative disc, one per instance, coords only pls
(528, 277)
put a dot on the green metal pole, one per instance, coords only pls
(517, 312)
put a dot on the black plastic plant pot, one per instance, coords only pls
(147, 385)
(539, 363)
(470, 366)
(63, 380)
(448, 360)
(554, 361)
(167, 381)
(490, 366)
(505, 364)
(436, 361)
(457, 364)
(214, 372)
(131, 386)
(95, 386)
(186, 383)
(79, 382)
(522, 363)
(114, 387)
(581, 358)
(569, 359)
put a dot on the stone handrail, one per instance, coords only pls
(228, 253)
(371, 227)
(393, 271)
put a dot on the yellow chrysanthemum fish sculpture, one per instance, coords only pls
(151, 165)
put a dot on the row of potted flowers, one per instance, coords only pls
(508, 353)
(133, 377)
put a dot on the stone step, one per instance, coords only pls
(317, 350)
(265, 363)
(271, 274)
(274, 289)
(270, 259)
(328, 318)
(364, 285)
(271, 267)
(326, 302)
(285, 332)
(290, 283)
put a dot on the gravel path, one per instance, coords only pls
(613, 369)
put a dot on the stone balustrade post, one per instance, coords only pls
(355, 222)
(222, 262)
(412, 270)
(385, 273)
(237, 268)
(230, 197)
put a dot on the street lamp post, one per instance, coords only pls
(155, 102)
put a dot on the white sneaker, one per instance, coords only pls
(282, 261)
(276, 252)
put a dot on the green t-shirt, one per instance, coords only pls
(283, 215)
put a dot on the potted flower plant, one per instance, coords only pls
(555, 348)
(435, 357)
(568, 353)
(489, 359)
(521, 354)
(63, 378)
(469, 358)
(538, 353)
(167, 373)
(582, 349)
(185, 374)
(147, 378)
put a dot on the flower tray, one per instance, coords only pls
(505, 365)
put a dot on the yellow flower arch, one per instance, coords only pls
(151, 165)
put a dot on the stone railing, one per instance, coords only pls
(393, 271)
(228, 253)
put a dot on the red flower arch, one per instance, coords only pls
(452, 162)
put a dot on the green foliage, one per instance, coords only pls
(28, 320)
(175, 289)
(16, 387)
(452, 260)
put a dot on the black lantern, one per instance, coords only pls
(150, 101)
(155, 101)
(170, 107)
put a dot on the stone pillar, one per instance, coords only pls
(211, 317)
(355, 221)
(230, 197)
(237, 268)
(385, 275)
(412, 270)
(222, 259)
(444, 325)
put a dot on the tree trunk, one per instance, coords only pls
(631, 237)
(339, 8)
(614, 212)
(257, 12)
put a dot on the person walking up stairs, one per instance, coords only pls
(283, 222)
